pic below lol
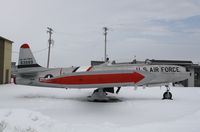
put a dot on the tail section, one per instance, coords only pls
(26, 58)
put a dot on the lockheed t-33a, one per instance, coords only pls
(104, 77)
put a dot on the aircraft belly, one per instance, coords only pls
(85, 86)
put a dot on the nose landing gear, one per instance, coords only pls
(167, 94)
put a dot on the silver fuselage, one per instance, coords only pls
(153, 75)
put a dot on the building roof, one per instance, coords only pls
(2, 38)
(174, 62)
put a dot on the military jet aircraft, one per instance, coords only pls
(104, 77)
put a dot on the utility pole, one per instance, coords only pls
(105, 53)
(50, 32)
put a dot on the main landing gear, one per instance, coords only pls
(100, 95)
(167, 94)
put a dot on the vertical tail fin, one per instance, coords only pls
(26, 58)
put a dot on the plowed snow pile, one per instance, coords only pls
(38, 109)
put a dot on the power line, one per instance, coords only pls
(15, 52)
(34, 52)
(50, 32)
(41, 50)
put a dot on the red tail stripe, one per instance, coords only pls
(25, 46)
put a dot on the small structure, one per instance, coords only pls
(194, 69)
(5, 60)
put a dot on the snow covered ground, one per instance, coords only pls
(36, 109)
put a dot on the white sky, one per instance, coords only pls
(154, 29)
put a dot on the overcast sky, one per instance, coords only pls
(153, 29)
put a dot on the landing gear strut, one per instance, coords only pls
(99, 95)
(167, 94)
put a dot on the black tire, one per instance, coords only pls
(167, 95)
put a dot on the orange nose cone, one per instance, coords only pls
(25, 46)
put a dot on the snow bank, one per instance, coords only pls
(21, 120)
(36, 109)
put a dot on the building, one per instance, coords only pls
(194, 69)
(5, 60)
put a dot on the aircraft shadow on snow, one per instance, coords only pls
(113, 99)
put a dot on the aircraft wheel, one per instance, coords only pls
(167, 95)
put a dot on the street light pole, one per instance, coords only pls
(105, 52)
